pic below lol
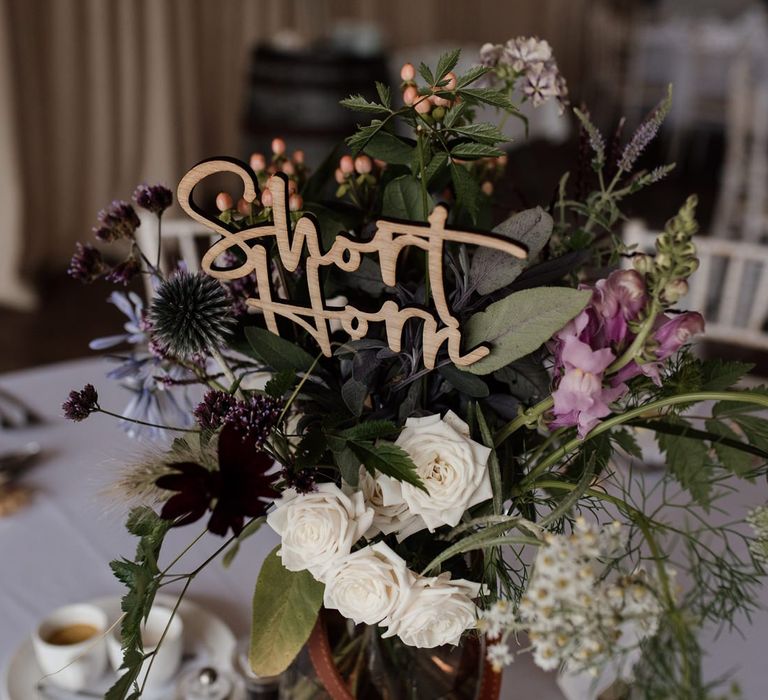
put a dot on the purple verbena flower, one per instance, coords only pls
(86, 264)
(254, 418)
(118, 220)
(81, 404)
(154, 198)
(213, 409)
(124, 272)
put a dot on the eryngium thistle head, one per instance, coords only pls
(190, 314)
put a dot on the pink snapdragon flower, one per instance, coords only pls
(589, 344)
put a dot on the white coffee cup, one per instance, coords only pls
(167, 659)
(77, 664)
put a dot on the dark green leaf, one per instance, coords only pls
(403, 199)
(494, 470)
(471, 75)
(483, 132)
(370, 430)
(426, 73)
(518, 324)
(389, 148)
(384, 93)
(354, 392)
(438, 162)
(349, 465)
(285, 607)
(627, 441)
(359, 104)
(251, 529)
(466, 383)
(732, 459)
(527, 379)
(718, 375)
(467, 190)
(389, 459)
(360, 138)
(280, 384)
(446, 63)
(491, 270)
(687, 461)
(471, 151)
(453, 114)
(367, 278)
(489, 96)
(276, 352)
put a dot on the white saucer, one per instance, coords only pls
(205, 635)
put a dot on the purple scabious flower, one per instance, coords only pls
(124, 272)
(81, 404)
(86, 264)
(254, 418)
(154, 198)
(213, 409)
(118, 220)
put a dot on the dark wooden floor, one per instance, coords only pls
(72, 314)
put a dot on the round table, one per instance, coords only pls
(57, 550)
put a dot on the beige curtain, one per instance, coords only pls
(98, 95)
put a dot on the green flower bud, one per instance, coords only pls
(675, 290)
(642, 263)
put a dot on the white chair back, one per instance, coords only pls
(730, 288)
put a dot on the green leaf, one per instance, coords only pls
(276, 352)
(389, 148)
(471, 151)
(250, 529)
(403, 199)
(527, 379)
(447, 62)
(426, 73)
(453, 114)
(389, 459)
(491, 270)
(280, 384)
(489, 96)
(494, 470)
(627, 441)
(688, 462)
(360, 138)
(471, 75)
(435, 165)
(731, 458)
(285, 607)
(353, 392)
(370, 430)
(718, 375)
(367, 278)
(520, 323)
(483, 132)
(467, 190)
(465, 382)
(348, 464)
(384, 93)
(359, 104)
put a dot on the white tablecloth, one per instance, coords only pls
(57, 550)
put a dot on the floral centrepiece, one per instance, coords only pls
(429, 499)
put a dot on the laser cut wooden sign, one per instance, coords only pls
(391, 237)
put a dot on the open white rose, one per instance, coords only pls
(318, 528)
(452, 466)
(387, 518)
(435, 611)
(368, 585)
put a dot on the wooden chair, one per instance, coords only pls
(730, 288)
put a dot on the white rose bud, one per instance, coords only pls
(435, 611)
(318, 528)
(368, 585)
(386, 518)
(452, 466)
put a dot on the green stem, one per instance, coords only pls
(143, 422)
(527, 417)
(296, 391)
(159, 239)
(638, 343)
(228, 373)
(693, 397)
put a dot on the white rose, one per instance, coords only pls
(387, 518)
(435, 611)
(368, 585)
(318, 528)
(452, 466)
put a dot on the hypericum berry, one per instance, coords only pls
(292, 186)
(278, 147)
(339, 176)
(407, 72)
(295, 202)
(224, 201)
(258, 162)
(288, 168)
(347, 165)
(243, 207)
(298, 157)
(410, 95)
(363, 165)
(487, 188)
(266, 198)
(451, 84)
(423, 106)
(438, 114)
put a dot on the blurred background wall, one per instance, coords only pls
(99, 95)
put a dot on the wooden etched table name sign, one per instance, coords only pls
(439, 326)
